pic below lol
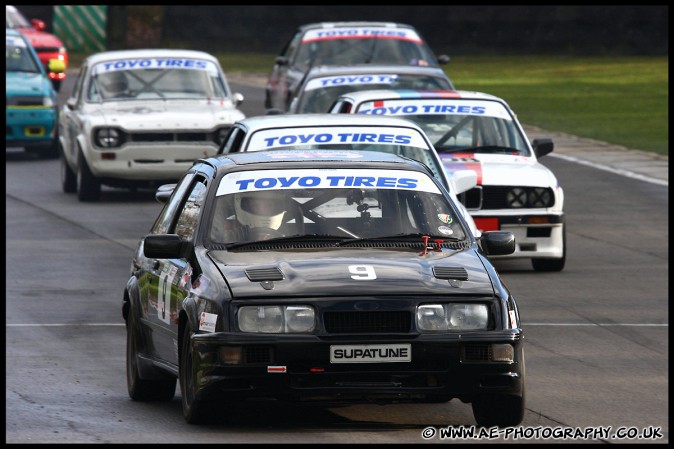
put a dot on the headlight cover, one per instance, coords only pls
(290, 319)
(452, 317)
(107, 138)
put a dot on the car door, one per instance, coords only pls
(170, 279)
(70, 123)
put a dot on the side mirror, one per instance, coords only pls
(542, 147)
(166, 246)
(164, 192)
(71, 103)
(462, 180)
(497, 243)
(237, 98)
(443, 59)
(281, 60)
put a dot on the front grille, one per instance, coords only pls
(173, 137)
(376, 322)
(476, 353)
(47, 49)
(257, 354)
(25, 100)
(507, 197)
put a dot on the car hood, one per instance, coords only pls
(330, 272)
(40, 39)
(23, 83)
(177, 114)
(502, 169)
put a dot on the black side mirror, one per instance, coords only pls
(497, 243)
(443, 59)
(281, 60)
(166, 246)
(542, 147)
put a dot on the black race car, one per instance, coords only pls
(320, 277)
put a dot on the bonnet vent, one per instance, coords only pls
(264, 274)
(458, 273)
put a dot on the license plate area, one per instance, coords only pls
(380, 353)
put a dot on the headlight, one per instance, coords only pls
(107, 138)
(452, 317)
(516, 197)
(277, 319)
(540, 197)
(47, 101)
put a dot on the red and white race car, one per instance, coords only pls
(46, 45)
(478, 131)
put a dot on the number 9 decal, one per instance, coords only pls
(362, 272)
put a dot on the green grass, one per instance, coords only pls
(620, 100)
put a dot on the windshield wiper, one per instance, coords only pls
(397, 237)
(288, 239)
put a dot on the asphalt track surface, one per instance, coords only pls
(596, 333)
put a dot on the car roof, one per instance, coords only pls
(149, 52)
(356, 69)
(356, 23)
(303, 157)
(322, 119)
(411, 94)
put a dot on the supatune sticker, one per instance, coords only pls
(371, 353)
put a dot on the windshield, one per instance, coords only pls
(320, 93)
(458, 125)
(14, 19)
(337, 204)
(156, 79)
(363, 45)
(407, 142)
(18, 57)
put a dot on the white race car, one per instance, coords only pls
(140, 118)
(477, 131)
(341, 132)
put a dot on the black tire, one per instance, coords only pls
(88, 186)
(142, 389)
(195, 411)
(68, 177)
(499, 410)
(552, 264)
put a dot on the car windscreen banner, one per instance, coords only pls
(336, 135)
(154, 63)
(259, 180)
(351, 80)
(435, 107)
(361, 33)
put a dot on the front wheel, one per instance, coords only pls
(552, 264)
(68, 176)
(194, 410)
(498, 410)
(142, 389)
(88, 186)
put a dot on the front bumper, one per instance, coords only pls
(536, 235)
(298, 369)
(152, 162)
(30, 127)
